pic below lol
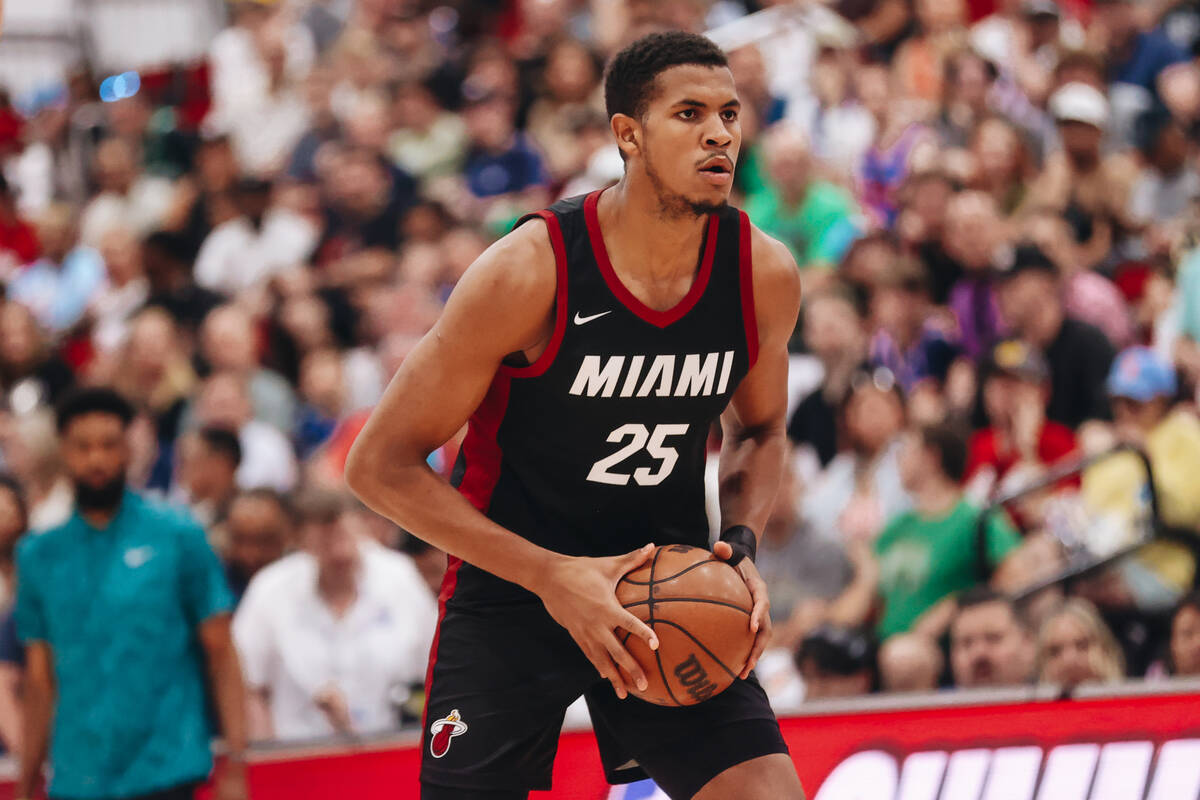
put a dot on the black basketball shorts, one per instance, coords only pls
(501, 681)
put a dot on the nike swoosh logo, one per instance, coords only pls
(138, 556)
(585, 320)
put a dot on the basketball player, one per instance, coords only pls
(590, 350)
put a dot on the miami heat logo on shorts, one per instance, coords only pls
(443, 730)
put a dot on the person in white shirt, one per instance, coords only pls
(128, 197)
(268, 458)
(261, 241)
(333, 637)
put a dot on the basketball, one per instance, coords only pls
(699, 607)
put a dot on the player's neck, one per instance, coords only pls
(633, 221)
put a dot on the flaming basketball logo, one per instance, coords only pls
(443, 730)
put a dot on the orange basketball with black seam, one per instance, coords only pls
(699, 607)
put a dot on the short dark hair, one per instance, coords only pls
(629, 79)
(951, 446)
(983, 595)
(223, 442)
(93, 400)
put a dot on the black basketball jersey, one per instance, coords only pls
(598, 447)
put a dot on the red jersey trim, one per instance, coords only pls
(543, 362)
(481, 448)
(746, 276)
(449, 584)
(659, 319)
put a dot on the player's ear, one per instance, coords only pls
(628, 132)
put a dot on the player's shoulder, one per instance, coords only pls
(776, 276)
(517, 273)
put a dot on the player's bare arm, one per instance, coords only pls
(504, 304)
(755, 426)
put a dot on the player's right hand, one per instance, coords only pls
(580, 594)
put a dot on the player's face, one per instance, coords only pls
(691, 138)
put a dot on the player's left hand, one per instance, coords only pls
(231, 782)
(760, 616)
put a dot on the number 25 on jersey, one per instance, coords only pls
(639, 436)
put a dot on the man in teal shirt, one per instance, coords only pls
(124, 611)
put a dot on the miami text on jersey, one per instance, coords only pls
(662, 375)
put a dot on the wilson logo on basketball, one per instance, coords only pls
(443, 730)
(694, 679)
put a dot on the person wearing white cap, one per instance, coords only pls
(1083, 184)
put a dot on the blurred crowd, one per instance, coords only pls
(993, 207)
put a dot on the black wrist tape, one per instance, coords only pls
(743, 541)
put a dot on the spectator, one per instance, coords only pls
(14, 522)
(922, 225)
(929, 554)
(31, 450)
(169, 273)
(1088, 188)
(911, 339)
(910, 662)
(1137, 59)
(836, 662)
(128, 197)
(1185, 637)
(1167, 183)
(364, 200)
(1075, 646)
(267, 457)
(851, 499)
(207, 463)
(973, 236)
(500, 160)
(1018, 439)
(1004, 164)
(1143, 388)
(99, 645)
(31, 373)
(323, 390)
(121, 295)
(802, 566)
(1078, 354)
(205, 197)
(58, 287)
(251, 247)
(428, 141)
(835, 333)
(230, 343)
(333, 636)
(569, 82)
(816, 219)
(258, 531)
(153, 368)
(18, 239)
(991, 643)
